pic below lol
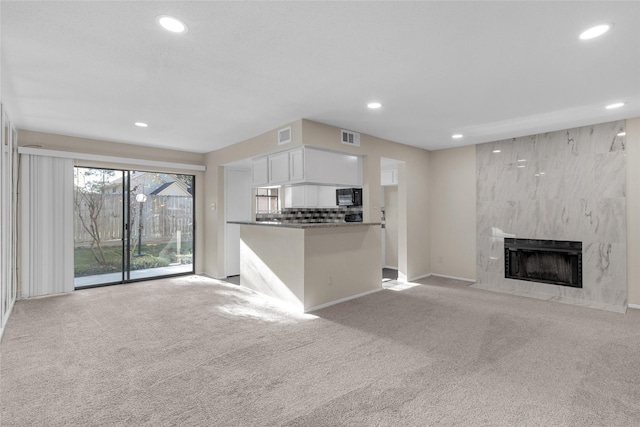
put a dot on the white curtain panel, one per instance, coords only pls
(47, 225)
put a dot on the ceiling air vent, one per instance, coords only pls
(284, 135)
(350, 138)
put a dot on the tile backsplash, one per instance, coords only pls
(309, 215)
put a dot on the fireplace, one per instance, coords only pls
(546, 261)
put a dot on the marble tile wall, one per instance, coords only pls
(565, 185)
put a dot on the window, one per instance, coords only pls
(267, 200)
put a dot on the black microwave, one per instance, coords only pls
(349, 197)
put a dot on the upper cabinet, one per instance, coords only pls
(310, 196)
(389, 177)
(332, 168)
(296, 165)
(279, 168)
(260, 171)
(304, 165)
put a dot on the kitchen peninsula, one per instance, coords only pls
(310, 265)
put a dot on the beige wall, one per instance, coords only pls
(633, 210)
(50, 141)
(214, 183)
(56, 142)
(452, 184)
(438, 189)
(391, 228)
(350, 255)
(320, 135)
(414, 251)
(276, 273)
(307, 268)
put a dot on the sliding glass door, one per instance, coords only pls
(161, 218)
(131, 225)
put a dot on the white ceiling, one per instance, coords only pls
(489, 70)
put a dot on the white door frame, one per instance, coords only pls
(237, 216)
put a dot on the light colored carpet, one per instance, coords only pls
(192, 351)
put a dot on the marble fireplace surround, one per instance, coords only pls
(564, 185)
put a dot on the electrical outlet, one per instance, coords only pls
(440, 259)
(330, 281)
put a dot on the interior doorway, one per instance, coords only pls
(390, 217)
(237, 207)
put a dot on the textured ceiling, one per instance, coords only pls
(489, 70)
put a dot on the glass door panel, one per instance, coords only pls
(98, 226)
(161, 215)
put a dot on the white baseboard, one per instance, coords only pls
(424, 276)
(405, 280)
(636, 306)
(318, 307)
(464, 279)
(390, 267)
(211, 276)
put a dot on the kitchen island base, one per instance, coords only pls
(311, 267)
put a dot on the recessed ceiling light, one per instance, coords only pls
(522, 160)
(522, 166)
(172, 24)
(616, 105)
(622, 134)
(374, 105)
(457, 136)
(541, 173)
(141, 124)
(496, 151)
(594, 32)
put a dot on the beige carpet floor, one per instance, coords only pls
(193, 351)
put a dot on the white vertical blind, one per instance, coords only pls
(47, 225)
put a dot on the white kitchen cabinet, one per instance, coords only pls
(295, 197)
(279, 168)
(259, 171)
(296, 165)
(307, 165)
(328, 167)
(310, 196)
(326, 196)
(389, 177)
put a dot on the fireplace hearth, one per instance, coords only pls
(554, 262)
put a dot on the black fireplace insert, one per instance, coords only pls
(555, 262)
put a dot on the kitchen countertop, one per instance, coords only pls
(303, 225)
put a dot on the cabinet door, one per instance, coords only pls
(310, 196)
(288, 197)
(327, 167)
(296, 165)
(297, 197)
(326, 196)
(279, 168)
(387, 178)
(259, 172)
